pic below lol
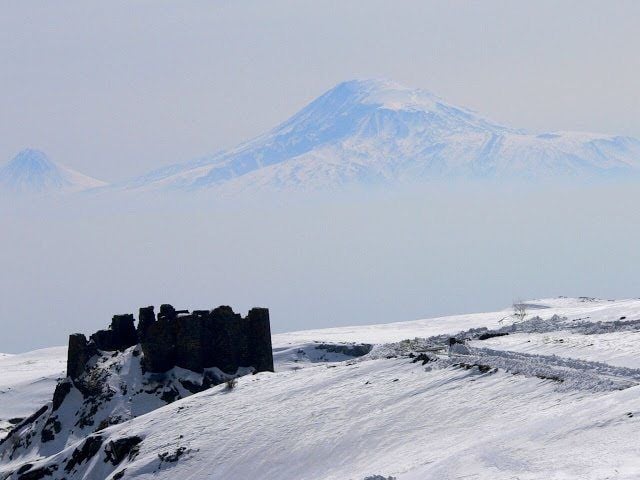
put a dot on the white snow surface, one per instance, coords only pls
(27, 381)
(557, 398)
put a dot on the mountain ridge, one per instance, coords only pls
(376, 132)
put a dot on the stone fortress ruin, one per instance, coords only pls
(176, 338)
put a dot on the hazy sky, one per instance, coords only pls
(115, 89)
(378, 258)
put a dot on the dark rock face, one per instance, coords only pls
(194, 341)
(89, 448)
(37, 474)
(78, 354)
(488, 335)
(60, 393)
(117, 450)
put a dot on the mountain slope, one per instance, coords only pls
(31, 171)
(553, 396)
(27, 382)
(379, 132)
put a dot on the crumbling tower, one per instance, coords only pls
(176, 338)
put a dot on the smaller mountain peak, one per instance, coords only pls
(31, 171)
(33, 160)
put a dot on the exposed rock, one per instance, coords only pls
(488, 335)
(172, 456)
(116, 451)
(422, 357)
(51, 427)
(27, 421)
(78, 354)
(63, 389)
(481, 368)
(38, 473)
(89, 448)
(24, 468)
(170, 395)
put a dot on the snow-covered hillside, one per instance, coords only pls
(378, 132)
(554, 395)
(27, 381)
(31, 171)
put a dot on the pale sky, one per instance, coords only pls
(385, 257)
(119, 88)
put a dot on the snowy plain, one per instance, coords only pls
(557, 398)
(27, 381)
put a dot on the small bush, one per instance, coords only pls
(232, 383)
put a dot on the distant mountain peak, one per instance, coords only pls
(377, 131)
(31, 171)
(33, 160)
(388, 94)
(380, 132)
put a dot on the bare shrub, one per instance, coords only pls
(519, 310)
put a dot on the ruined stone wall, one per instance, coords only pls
(194, 341)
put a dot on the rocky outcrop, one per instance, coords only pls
(78, 354)
(176, 338)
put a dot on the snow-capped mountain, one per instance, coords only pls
(549, 394)
(379, 132)
(31, 171)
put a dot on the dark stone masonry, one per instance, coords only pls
(176, 338)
